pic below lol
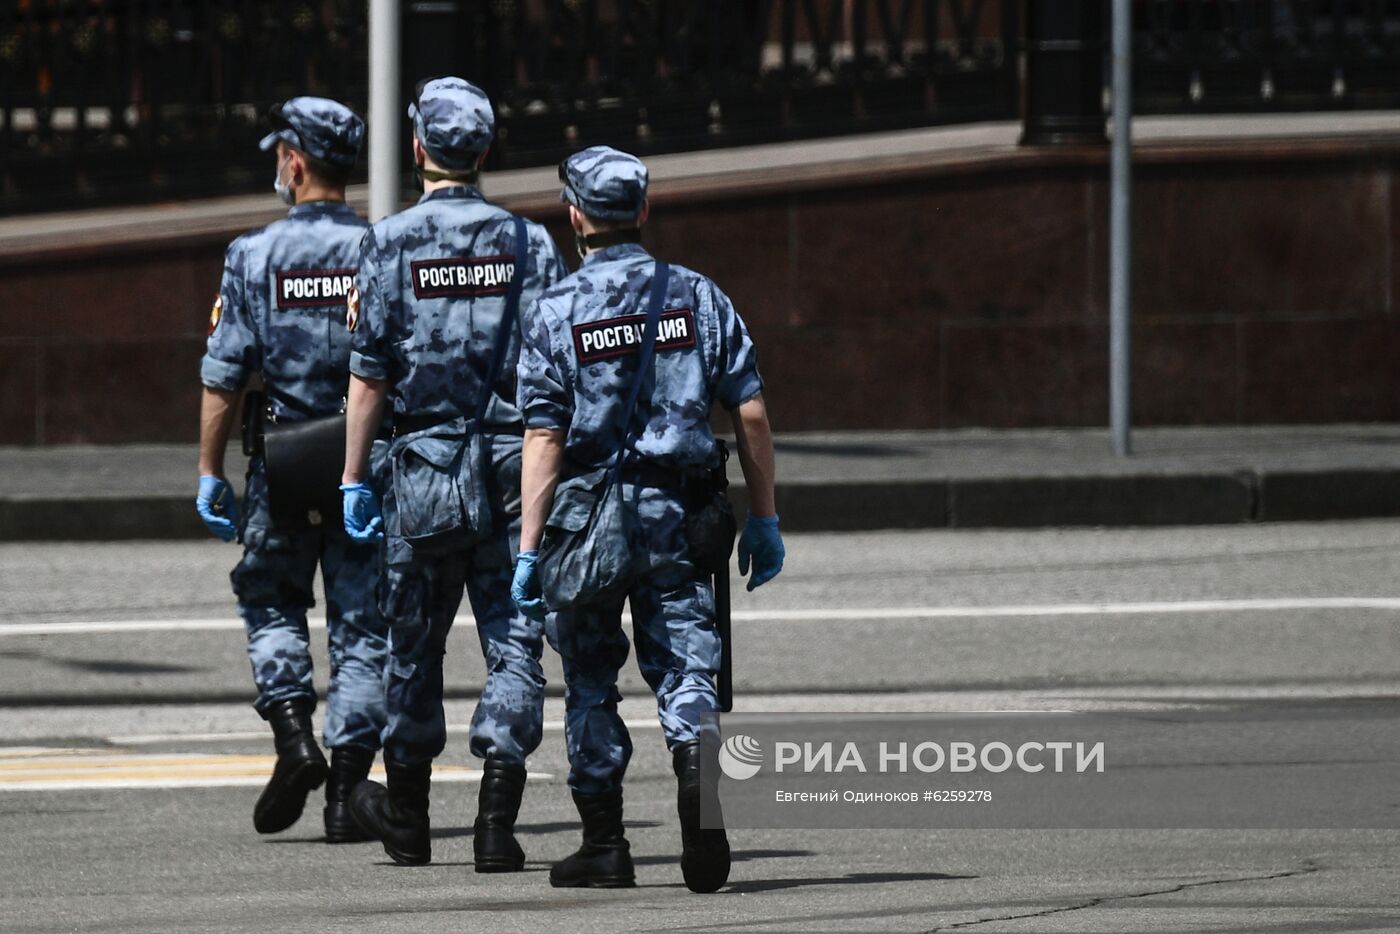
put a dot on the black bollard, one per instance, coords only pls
(1064, 73)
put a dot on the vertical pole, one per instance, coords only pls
(1120, 234)
(384, 109)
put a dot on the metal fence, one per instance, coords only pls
(658, 76)
(131, 100)
(1230, 56)
(106, 101)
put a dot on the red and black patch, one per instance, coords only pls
(462, 276)
(308, 288)
(621, 337)
(216, 314)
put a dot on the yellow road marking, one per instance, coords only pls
(76, 769)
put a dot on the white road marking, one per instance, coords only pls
(1268, 604)
(821, 614)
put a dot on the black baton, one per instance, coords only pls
(726, 648)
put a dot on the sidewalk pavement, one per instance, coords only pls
(848, 481)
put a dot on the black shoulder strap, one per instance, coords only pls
(508, 316)
(653, 323)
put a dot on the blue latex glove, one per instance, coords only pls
(525, 588)
(218, 507)
(762, 542)
(360, 508)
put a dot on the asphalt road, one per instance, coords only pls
(121, 665)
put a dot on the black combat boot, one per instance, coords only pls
(397, 816)
(704, 853)
(349, 766)
(604, 861)
(493, 836)
(300, 766)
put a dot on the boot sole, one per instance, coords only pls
(500, 865)
(597, 882)
(347, 835)
(407, 859)
(307, 778)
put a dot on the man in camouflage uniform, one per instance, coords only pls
(432, 290)
(281, 311)
(581, 344)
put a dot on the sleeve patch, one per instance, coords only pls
(216, 313)
(352, 308)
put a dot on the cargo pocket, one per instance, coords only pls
(270, 573)
(426, 492)
(571, 510)
(584, 552)
(402, 596)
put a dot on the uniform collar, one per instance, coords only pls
(319, 207)
(616, 251)
(462, 192)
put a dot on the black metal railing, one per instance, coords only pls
(658, 76)
(1231, 56)
(129, 100)
(105, 101)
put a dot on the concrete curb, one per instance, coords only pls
(99, 519)
(1208, 498)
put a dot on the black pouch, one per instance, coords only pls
(711, 530)
(710, 526)
(304, 462)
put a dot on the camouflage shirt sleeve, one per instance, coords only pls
(232, 351)
(369, 345)
(543, 390)
(738, 380)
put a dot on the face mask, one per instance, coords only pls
(284, 189)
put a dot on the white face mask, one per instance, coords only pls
(284, 189)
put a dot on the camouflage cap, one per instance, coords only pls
(605, 183)
(452, 118)
(323, 129)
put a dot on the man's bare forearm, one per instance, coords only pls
(216, 411)
(755, 439)
(541, 463)
(364, 411)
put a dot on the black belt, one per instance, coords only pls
(653, 475)
(643, 474)
(408, 424)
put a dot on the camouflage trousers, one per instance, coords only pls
(678, 649)
(420, 598)
(273, 583)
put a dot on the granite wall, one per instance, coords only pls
(934, 294)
